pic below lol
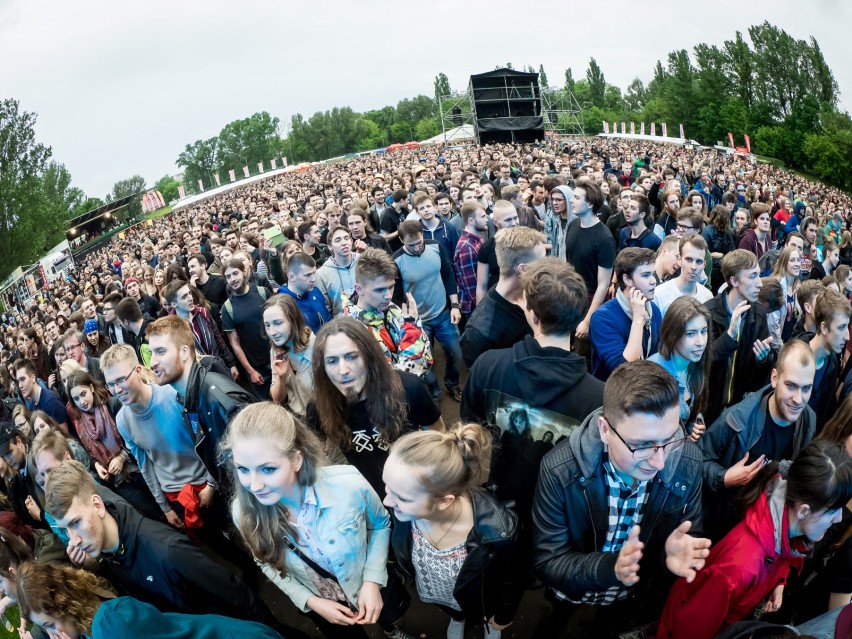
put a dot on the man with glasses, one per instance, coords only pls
(622, 491)
(74, 342)
(152, 425)
(115, 331)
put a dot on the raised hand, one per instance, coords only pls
(627, 564)
(742, 473)
(685, 554)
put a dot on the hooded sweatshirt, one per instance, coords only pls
(522, 393)
(333, 280)
(553, 228)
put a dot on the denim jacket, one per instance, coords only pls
(355, 529)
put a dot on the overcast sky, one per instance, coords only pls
(120, 88)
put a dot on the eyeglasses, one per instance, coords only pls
(646, 452)
(72, 347)
(121, 381)
(685, 227)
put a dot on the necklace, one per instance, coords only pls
(446, 532)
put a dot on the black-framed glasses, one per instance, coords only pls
(121, 381)
(646, 452)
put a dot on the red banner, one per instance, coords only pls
(632, 128)
(272, 162)
(623, 128)
(232, 175)
(245, 171)
(606, 126)
(642, 131)
(681, 132)
(665, 132)
(748, 142)
(181, 191)
(653, 128)
(731, 139)
(260, 167)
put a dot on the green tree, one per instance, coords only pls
(636, 95)
(89, 204)
(442, 86)
(168, 187)
(426, 128)
(131, 186)
(248, 141)
(28, 224)
(569, 80)
(597, 84)
(199, 160)
(542, 76)
(62, 198)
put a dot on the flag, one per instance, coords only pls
(606, 126)
(272, 162)
(260, 167)
(245, 171)
(284, 159)
(642, 132)
(181, 192)
(653, 128)
(665, 132)
(614, 128)
(200, 185)
(681, 132)
(632, 128)
(232, 175)
(623, 128)
(731, 139)
(748, 142)
(216, 177)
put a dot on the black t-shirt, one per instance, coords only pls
(587, 249)
(244, 314)
(390, 223)
(488, 255)
(776, 442)
(215, 289)
(368, 452)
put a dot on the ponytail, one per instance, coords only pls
(821, 477)
(451, 463)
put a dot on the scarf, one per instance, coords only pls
(625, 305)
(94, 428)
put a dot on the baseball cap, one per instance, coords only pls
(8, 432)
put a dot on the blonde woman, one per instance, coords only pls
(457, 541)
(319, 532)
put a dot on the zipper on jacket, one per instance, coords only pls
(591, 518)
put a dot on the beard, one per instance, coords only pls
(352, 397)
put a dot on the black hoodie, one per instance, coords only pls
(523, 393)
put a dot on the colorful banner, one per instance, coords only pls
(632, 128)
(200, 185)
(272, 162)
(665, 132)
(731, 139)
(653, 128)
(232, 175)
(748, 142)
(606, 126)
(642, 131)
(245, 171)
(260, 167)
(623, 128)
(216, 177)
(681, 132)
(181, 191)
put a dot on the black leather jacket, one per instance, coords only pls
(489, 582)
(570, 516)
(212, 400)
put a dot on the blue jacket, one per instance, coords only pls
(609, 331)
(133, 619)
(312, 305)
(356, 530)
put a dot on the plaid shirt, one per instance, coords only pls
(625, 511)
(464, 263)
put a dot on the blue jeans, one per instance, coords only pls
(447, 334)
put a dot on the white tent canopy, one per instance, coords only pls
(457, 134)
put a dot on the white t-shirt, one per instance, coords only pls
(668, 292)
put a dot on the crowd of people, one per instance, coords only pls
(649, 348)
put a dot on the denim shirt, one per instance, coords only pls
(668, 364)
(355, 529)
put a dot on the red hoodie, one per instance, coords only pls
(740, 572)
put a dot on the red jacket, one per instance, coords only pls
(740, 572)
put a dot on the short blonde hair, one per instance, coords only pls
(118, 353)
(515, 246)
(67, 481)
